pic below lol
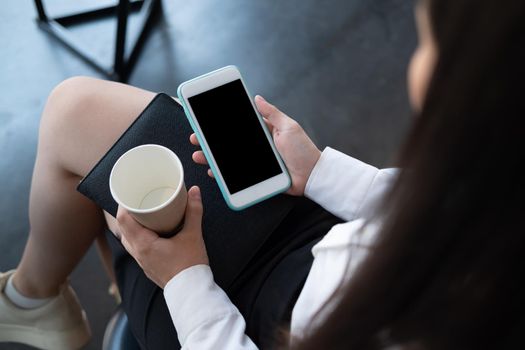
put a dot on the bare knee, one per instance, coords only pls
(71, 98)
(68, 107)
(83, 117)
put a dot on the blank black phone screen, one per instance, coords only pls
(235, 136)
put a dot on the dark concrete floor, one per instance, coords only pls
(338, 67)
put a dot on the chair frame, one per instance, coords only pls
(124, 61)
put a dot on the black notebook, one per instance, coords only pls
(232, 238)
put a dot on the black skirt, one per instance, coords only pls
(264, 292)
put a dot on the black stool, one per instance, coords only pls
(118, 336)
(123, 62)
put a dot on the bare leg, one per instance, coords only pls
(82, 119)
(104, 251)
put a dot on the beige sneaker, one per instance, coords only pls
(61, 324)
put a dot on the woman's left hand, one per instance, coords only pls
(163, 258)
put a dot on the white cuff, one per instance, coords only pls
(194, 299)
(340, 183)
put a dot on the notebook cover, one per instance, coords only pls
(231, 237)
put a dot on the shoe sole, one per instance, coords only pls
(69, 339)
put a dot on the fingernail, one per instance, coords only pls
(260, 97)
(195, 192)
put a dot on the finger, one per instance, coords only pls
(128, 247)
(131, 230)
(199, 158)
(193, 217)
(116, 234)
(194, 140)
(210, 174)
(268, 124)
(270, 112)
(131, 250)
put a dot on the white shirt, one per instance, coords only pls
(202, 313)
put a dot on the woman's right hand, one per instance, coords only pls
(298, 151)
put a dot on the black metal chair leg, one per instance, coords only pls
(120, 45)
(123, 62)
(40, 9)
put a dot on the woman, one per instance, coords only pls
(436, 266)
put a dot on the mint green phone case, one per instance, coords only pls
(222, 186)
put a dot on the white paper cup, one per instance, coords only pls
(148, 181)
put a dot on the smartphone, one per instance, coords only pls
(234, 138)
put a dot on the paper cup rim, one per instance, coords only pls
(158, 207)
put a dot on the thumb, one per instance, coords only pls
(193, 217)
(270, 112)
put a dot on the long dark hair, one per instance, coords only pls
(448, 271)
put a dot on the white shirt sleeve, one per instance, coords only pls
(345, 186)
(202, 313)
(336, 258)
